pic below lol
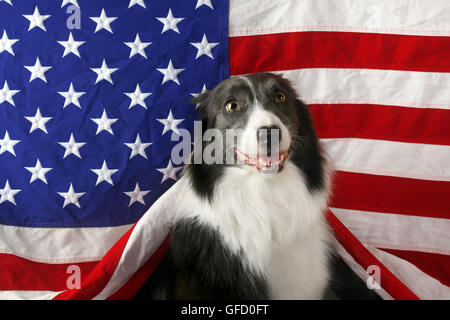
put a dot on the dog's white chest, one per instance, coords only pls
(275, 225)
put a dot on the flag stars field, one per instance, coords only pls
(170, 22)
(170, 73)
(86, 90)
(104, 174)
(170, 172)
(137, 195)
(71, 96)
(137, 47)
(138, 97)
(36, 19)
(104, 72)
(204, 47)
(138, 147)
(6, 94)
(71, 46)
(103, 22)
(7, 193)
(7, 144)
(72, 147)
(170, 123)
(71, 197)
(38, 172)
(38, 70)
(104, 123)
(38, 121)
(7, 43)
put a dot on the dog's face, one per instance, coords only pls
(260, 111)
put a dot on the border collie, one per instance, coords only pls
(252, 229)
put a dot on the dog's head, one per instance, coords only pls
(263, 113)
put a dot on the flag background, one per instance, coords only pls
(375, 75)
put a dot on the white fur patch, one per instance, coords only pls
(257, 119)
(273, 222)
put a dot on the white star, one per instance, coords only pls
(72, 147)
(137, 97)
(104, 123)
(170, 172)
(6, 94)
(7, 194)
(135, 2)
(38, 172)
(103, 22)
(137, 47)
(104, 174)
(137, 195)
(36, 19)
(6, 43)
(170, 123)
(38, 121)
(74, 2)
(104, 73)
(204, 2)
(7, 144)
(71, 46)
(38, 71)
(138, 148)
(170, 73)
(197, 94)
(71, 196)
(170, 22)
(204, 47)
(7, 1)
(71, 96)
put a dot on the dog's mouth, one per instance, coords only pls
(264, 163)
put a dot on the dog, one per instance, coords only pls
(255, 228)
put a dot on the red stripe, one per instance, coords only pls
(132, 286)
(392, 123)
(100, 275)
(433, 264)
(287, 51)
(21, 274)
(391, 195)
(365, 258)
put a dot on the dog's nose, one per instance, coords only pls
(265, 134)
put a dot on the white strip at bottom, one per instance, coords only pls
(28, 295)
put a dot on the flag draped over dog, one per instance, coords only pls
(92, 91)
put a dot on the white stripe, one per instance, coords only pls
(423, 285)
(59, 245)
(144, 240)
(255, 17)
(28, 295)
(357, 268)
(385, 87)
(395, 231)
(390, 158)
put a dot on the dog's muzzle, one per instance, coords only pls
(266, 164)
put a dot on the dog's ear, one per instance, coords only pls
(201, 105)
(201, 102)
(304, 117)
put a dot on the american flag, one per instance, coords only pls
(86, 117)
(90, 94)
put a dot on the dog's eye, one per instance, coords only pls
(280, 97)
(231, 106)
